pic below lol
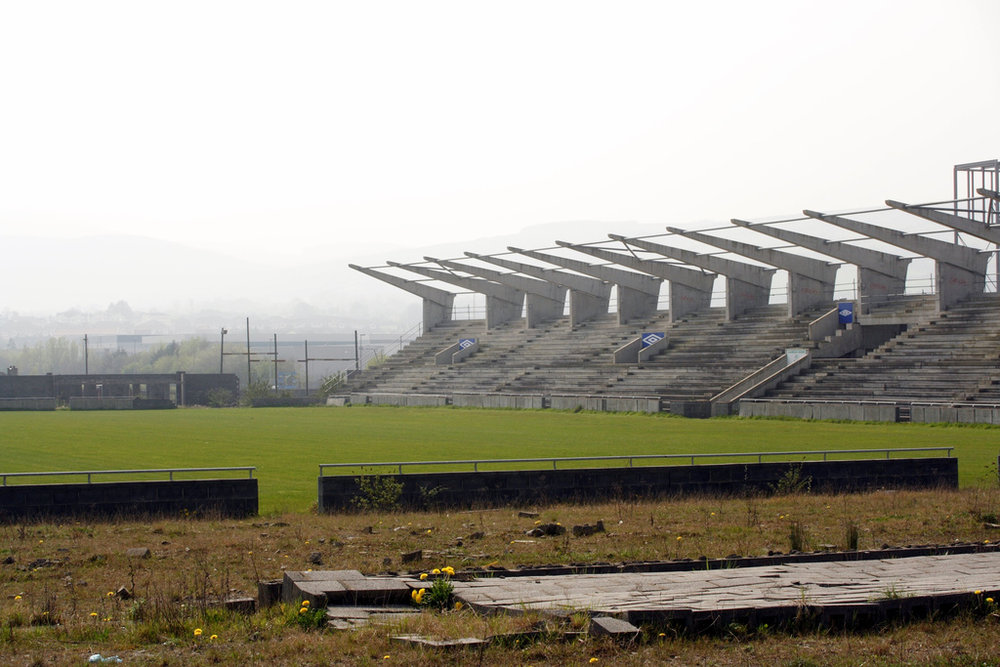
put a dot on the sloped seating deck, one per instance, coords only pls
(946, 357)
(706, 354)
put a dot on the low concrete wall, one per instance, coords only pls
(517, 401)
(874, 412)
(465, 489)
(416, 400)
(27, 404)
(959, 414)
(81, 403)
(286, 402)
(606, 403)
(228, 497)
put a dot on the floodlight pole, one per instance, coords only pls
(249, 376)
(86, 360)
(222, 347)
(275, 364)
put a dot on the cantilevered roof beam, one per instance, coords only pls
(437, 303)
(959, 271)
(637, 293)
(747, 286)
(880, 274)
(964, 225)
(690, 289)
(503, 304)
(543, 301)
(588, 297)
(810, 281)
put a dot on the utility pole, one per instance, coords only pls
(275, 364)
(222, 347)
(86, 359)
(249, 376)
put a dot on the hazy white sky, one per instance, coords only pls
(349, 124)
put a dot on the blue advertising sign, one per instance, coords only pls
(845, 312)
(463, 343)
(652, 337)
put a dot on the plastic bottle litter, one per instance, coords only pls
(97, 657)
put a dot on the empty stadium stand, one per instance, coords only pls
(550, 337)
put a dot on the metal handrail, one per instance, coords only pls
(554, 461)
(89, 473)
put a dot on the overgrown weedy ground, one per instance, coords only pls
(60, 582)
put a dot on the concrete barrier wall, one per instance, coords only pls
(464, 489)
(516, 401)
(27, 404)
(802, 410)
(80, 403)
(975, 414)
(228, 497)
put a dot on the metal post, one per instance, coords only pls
(86, 360)
(275, 364)
(249, 376)
(307, 367)
(357, 357)
(222, 347)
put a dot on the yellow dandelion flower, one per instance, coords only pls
(17, 597)
(429, 531)
(435, 571)
(450, 571)
(303, 610)
(990, 600)
(214, 637)
(978, 592)
(305, 603)
(385, 657)
(458, 605)
(423, 576)
(197, 632)
(593, 660)
(111, 594)
(662, 634)
(712, 514)
(93, 614)
(106, 619)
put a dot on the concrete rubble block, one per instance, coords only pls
(462, 642)
(613, 627)
(315, 586)
(372, 590)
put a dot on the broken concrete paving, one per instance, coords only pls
(835, 591)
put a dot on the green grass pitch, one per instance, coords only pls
(286, 445)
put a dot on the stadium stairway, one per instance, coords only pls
(946, 357)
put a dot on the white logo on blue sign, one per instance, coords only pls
(652, 338)
(464, 343)
(845, 312)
